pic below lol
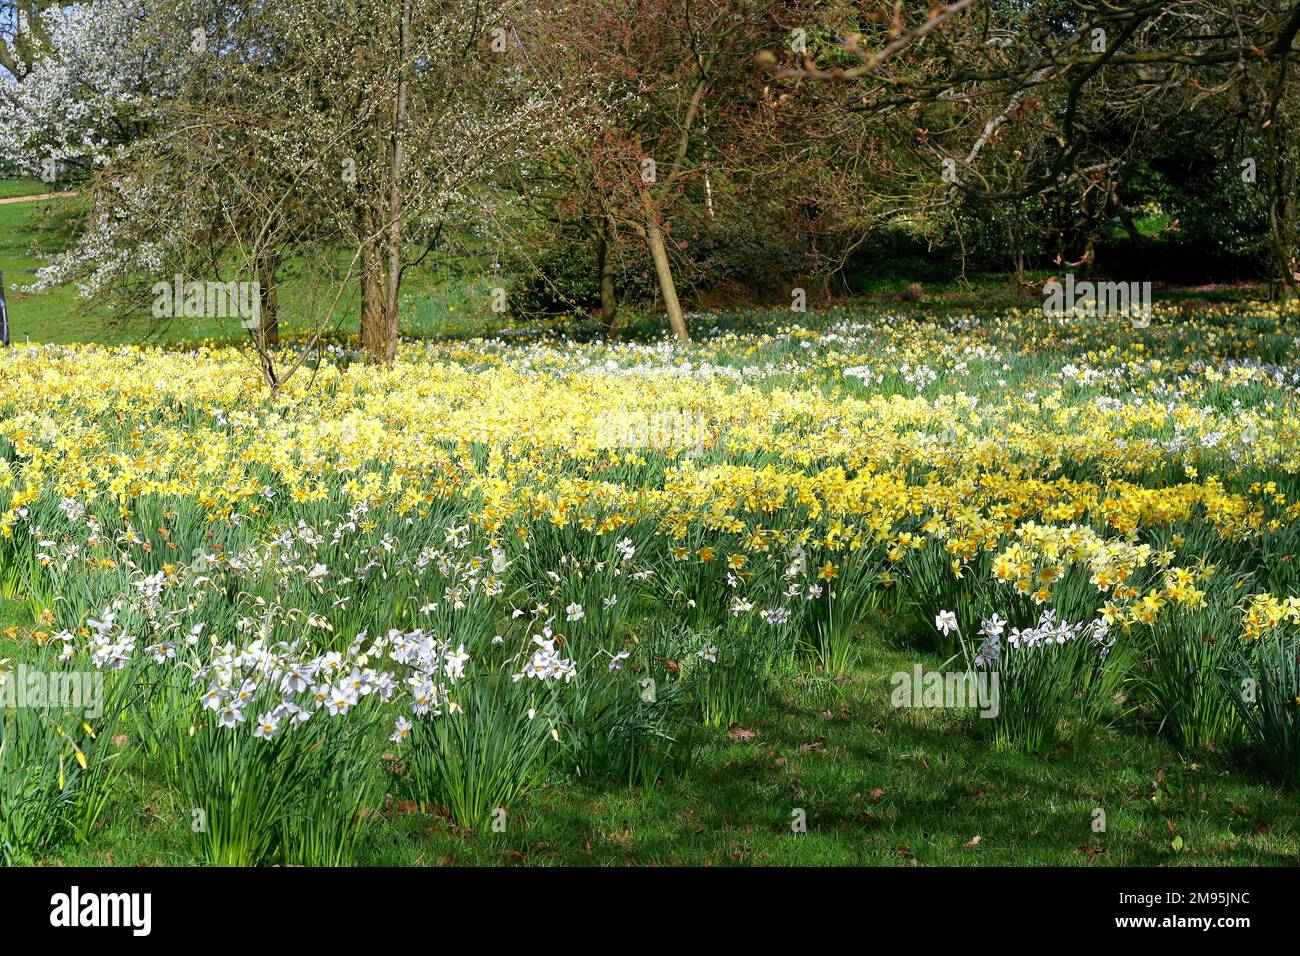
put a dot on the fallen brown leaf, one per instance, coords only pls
(401, 808)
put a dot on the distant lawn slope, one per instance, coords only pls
(32, 232)
(10, 188)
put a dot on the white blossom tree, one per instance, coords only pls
(22, 36)
(274, 129)
(87, 86)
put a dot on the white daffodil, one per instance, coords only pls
(268, 725)
(402, 731)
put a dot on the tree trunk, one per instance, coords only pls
(608, 300)
(378, 327)
(1281, 214)
(654, 238)
(396, 233)
(378, 330)
(381, 273)
(268, 291)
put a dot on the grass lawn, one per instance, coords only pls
(432, 304)
(879, 787)
(10, 188)
(877, 790)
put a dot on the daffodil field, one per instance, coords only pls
(521, 583)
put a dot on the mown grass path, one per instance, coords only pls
(13, 199)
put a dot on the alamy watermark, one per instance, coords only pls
(26, 687)
(1131, 300)
(624, 428)
(133, 911)
(190, 299)
(949, 690)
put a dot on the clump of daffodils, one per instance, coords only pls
(1047, 633)
(1262, 614)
